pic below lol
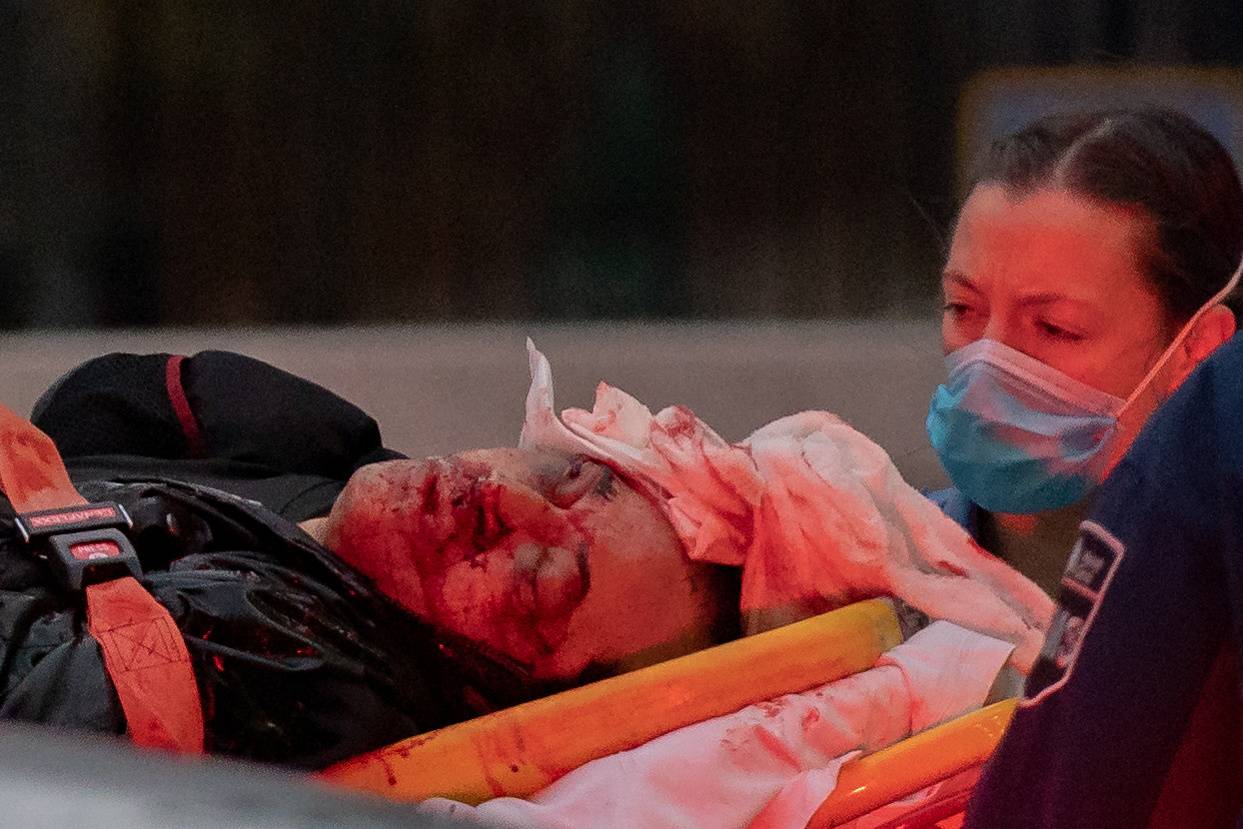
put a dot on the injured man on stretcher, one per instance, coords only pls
(597, 545)
(606, 541)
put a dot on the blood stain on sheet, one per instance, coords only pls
(772, 707)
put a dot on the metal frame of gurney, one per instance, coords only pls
(520, 750)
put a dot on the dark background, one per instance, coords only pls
(248, 163)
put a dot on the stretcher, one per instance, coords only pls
(922, 781)
(521, 750)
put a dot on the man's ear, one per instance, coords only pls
(1211, 331)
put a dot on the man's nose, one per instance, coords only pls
(472, 499)
(521, 509)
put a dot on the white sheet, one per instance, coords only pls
(768, 766)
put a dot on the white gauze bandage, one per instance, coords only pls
(814, 513)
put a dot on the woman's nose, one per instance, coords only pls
(1002, 327)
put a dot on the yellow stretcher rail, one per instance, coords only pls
(522, 749)
(913, 764)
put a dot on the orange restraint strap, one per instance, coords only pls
(143, 650)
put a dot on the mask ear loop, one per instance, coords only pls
(1182, 335)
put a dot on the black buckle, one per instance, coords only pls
(84, 544)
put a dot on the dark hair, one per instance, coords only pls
(1150, 158)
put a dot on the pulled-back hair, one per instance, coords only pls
(1157, 160)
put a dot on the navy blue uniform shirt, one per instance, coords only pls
(1152, 591)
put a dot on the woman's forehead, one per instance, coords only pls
(1047, 244)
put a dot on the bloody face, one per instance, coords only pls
(551, 560)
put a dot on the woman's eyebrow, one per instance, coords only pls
(960, 279)
(1050, 297)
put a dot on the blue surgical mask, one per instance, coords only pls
(1018, 436)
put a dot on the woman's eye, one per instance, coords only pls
(956, 309)
(1057, 332)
